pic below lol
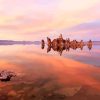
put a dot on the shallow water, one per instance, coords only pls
(48, 76)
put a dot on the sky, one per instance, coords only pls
(37, 19)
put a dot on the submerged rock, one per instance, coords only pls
(6, 75)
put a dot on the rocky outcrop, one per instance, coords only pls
(60, 44)
(6, 75)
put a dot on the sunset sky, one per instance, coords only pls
(37, 19)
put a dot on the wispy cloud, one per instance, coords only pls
(19, 18)
(88, 30)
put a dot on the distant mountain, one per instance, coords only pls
(11, 42)
(96, 42)
(36, 42)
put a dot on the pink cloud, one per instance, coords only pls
(39, 17)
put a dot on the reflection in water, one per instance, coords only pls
(60, 44)
(47, 77)
(43, 44)
(60, 49)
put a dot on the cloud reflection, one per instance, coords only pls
(61, 75)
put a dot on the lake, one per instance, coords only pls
(75, 75)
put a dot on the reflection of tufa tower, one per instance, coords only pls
(60, 36)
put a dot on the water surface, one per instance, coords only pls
(48, 76)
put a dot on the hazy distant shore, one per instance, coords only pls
(11, 42)
(96, 42)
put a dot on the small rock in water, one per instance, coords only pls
(12, 93)
(6, 75)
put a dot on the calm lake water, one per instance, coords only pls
(48, 76)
